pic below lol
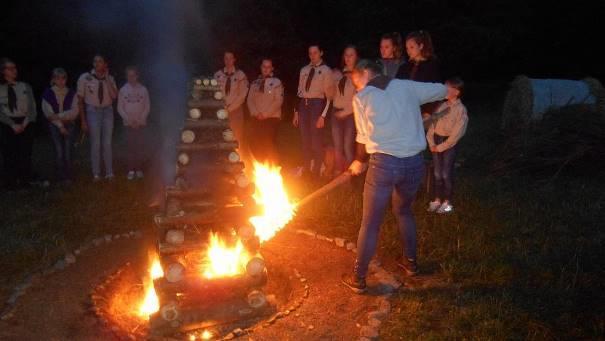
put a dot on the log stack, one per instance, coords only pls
(210, 194)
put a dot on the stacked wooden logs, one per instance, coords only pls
(210, 194)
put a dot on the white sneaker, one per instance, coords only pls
(130, 175)
(139, 174)
(446, 207)
(96, 178)
(434, 206)
(109, 177)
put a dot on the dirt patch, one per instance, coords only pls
(57, 307)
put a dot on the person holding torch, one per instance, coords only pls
(390, 140)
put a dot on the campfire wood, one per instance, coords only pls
(208, 146)
(226, 167)
(206, 123)
(205, 103)
(193, 318)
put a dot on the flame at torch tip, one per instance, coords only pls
(270, 193)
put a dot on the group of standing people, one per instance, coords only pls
(87, 108)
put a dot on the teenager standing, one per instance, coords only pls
(96, 91)
(315, 91)
(390, 134)
(343, 123)
(60, 106)
(391, 54)
(17, 113)
(422, 66)
(264, 102)
(133, 107)
(234, 85)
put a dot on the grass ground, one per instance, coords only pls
(523, 256)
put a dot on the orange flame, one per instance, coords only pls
(223, 260)
(271, 194)
(151, 303)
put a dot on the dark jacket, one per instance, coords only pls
(425, 71)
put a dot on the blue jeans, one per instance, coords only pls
(63, 149)
(392, 178)
(343, 135)
(309, 111)
(443, 164)
(100, 125)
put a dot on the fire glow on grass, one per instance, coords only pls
(270, 193)
(151, 303)
(224, 260)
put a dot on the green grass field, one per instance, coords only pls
(523, 256)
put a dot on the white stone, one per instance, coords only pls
(350, 246)
(70, 258)
(340, 242)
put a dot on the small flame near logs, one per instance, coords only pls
(151, 302)
(270, 193)
(223, 260)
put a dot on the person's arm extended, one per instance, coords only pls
(457, 132)
(429, 92)
(430, 138)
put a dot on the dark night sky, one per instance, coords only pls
(478, 40)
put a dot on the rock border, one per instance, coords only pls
(60, 265)
(387, 282)
(369, 331)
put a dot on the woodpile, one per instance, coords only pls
(210, 194)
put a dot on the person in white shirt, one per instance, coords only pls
(133, 107)
(447, 127)
(390, 134)
(234, 85)
(17, 113)
(96, 91)
(60, 106)
(264, 103)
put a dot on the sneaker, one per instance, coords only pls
(446, 207)
(96, 178)
(139, 174)
(409, 266)
(130, 175)
(434, 206)
(356, 284)
(109, 177)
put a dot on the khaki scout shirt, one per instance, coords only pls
(88, 89)
(239, 88)
(268, 102)
(343, 100)
(26, 105)
(322, 85)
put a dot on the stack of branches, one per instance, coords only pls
(570, 138)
